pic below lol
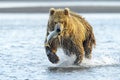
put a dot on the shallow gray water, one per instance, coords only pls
(22, 54)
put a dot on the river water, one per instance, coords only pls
(22, 54)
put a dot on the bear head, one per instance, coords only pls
(58, 19)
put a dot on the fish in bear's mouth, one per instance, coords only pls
(55, 33)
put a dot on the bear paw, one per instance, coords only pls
(53, 58)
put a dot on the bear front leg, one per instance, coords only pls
(79, 55)
(51, 52)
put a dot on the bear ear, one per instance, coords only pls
(66, 11)
(52, 11)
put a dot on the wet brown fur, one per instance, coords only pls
(77, 37)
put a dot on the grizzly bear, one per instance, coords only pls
(71, 32)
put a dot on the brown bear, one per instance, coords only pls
(71, 32)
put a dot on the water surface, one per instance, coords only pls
(22, 54)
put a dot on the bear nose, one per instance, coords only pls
(58, 30)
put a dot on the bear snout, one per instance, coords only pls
(58, 30)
